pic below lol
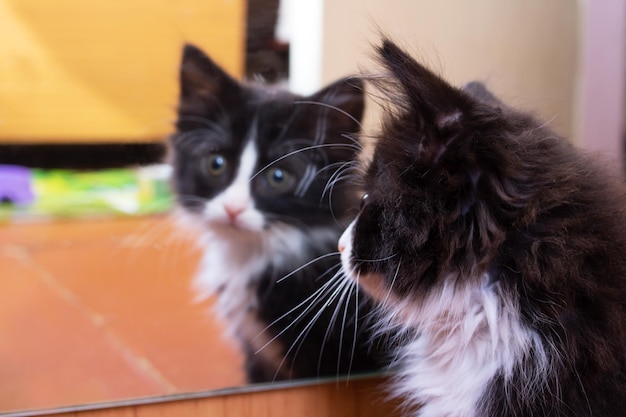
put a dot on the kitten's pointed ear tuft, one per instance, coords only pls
(344, 101)
(193, 53)
(434, 102)
(201, 77)
(479, 91)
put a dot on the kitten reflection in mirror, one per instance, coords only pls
(495, 250)
(260, 174)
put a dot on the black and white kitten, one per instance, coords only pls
(258, 172)
(496, 250)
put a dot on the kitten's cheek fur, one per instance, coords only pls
(373, 285)
(370, 283)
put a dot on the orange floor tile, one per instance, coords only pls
(95, 311)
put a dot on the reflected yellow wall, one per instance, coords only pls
(526, 51)
(100, 70)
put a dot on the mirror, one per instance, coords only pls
(100, 309)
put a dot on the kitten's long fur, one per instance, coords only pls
(259, 173)
(502, 255)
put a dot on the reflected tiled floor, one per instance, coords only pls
(94, 311)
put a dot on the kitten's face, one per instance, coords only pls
(452, 173)
(247, 159)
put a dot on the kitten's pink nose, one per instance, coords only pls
(341, 248)
(233, 212)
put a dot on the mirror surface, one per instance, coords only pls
(101, 309)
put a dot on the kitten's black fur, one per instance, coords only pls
(218, 115)
(462, 187)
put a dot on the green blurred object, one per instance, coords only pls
(79, 194)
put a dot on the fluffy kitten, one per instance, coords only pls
(258, 172)
(496, 251)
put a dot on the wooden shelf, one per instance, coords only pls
(362, 397)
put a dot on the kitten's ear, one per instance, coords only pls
(202, 81)
(480, 92)
(345, 104)
(435, 104)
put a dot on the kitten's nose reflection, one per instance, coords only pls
(233, 212)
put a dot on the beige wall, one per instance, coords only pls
(526, 51)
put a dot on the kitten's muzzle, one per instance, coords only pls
(233, 212)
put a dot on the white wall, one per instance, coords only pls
(302, 24)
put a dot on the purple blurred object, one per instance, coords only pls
(16, 185)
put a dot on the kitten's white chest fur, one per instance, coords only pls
(238, 251)
(230, 270)
(466, 335)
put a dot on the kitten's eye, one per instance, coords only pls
(364, 200)
(279, 179)
(216, 164)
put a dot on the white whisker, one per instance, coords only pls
(333, 319)
(386, 258)
(330, 106)
(316, 296)
(336, 177)
(308, 148)
(356, 324)
(346, 295)
(307, 264)
(306, 330)
(384, 302)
